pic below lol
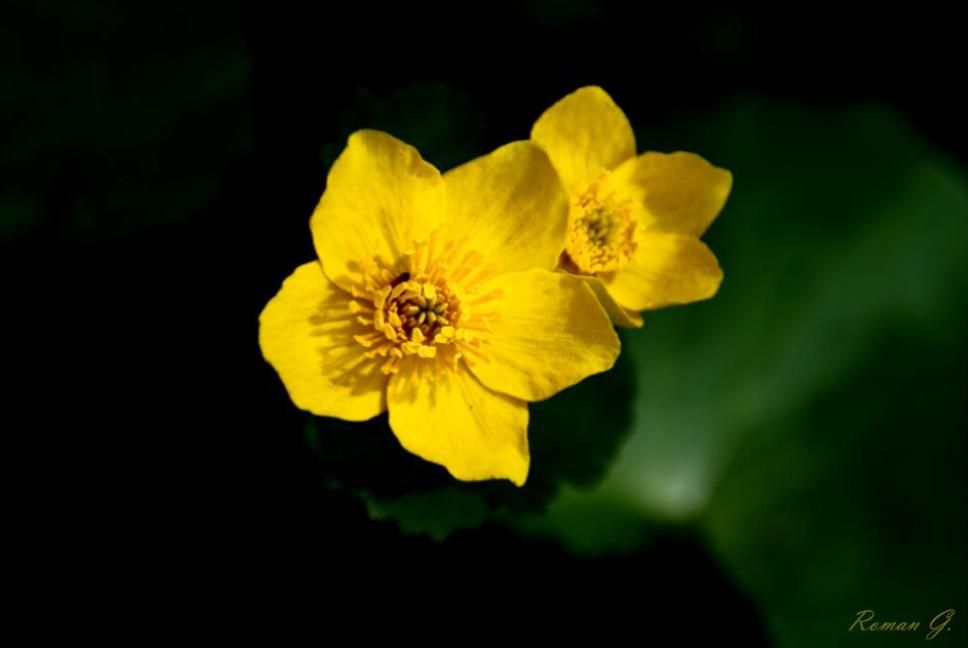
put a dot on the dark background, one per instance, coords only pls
(160, 166)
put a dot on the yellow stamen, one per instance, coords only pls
(417, 307)
(601, 231)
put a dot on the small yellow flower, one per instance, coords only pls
(436, 298)
(634, 221)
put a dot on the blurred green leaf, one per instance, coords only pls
(573, 438)
(810, 419)
(436, 513)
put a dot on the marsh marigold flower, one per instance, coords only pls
(634, 220)
(435, 298)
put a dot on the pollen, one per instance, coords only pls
(601, 231)
(417, 307)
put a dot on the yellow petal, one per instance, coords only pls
(634, 317)
(584, 134)
(380, 197)
(620, 316)
(546, 332)
(681, 192)
(306, 333)
(509, 206)
(453, 420)
(667, 269)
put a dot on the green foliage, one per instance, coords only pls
(810, 419)
(573, 438)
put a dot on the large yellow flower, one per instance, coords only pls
(435, 298)
(635, 221)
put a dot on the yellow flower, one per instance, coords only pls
(634, 221)
(436, 298)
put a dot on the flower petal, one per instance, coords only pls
(380, 197)
(547, 332)
(451, 419)
(619, 316)
(510, 207)
(306, 333)
(667, 269)
(584, 134)
(681, 192)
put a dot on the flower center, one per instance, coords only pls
(418, 310)
(416, 307)
(601, 232)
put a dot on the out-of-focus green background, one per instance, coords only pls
(791, 452)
